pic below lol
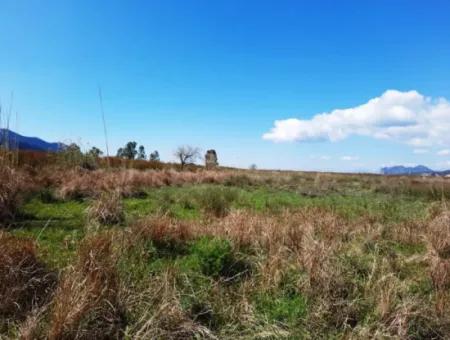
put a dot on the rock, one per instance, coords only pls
(211, 159)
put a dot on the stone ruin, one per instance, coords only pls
(211, 159)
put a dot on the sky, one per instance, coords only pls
(301, 85)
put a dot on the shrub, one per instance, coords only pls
(213, 255)
(25, 281)
(107, 209)
(217, 200)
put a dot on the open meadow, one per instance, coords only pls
(221, 254)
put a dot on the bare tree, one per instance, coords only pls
(187, 154)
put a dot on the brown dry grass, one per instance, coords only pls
(107, 209)
(78, 183)
(161, 315)
(86, 303)
(26, 283)
(13, 186)
(438, 234)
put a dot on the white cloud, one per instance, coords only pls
(445, 152)
(349, 158)
(408, 117)
(322, 157)
(420, 151)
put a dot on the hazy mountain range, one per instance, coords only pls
(16, 141)
(415, 170)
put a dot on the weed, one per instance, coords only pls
(213, 255)
(107, 209)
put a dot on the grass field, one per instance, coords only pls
(225, 254)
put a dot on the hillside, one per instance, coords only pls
(416, 170)
(16, 141)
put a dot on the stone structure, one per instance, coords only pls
(211, 159)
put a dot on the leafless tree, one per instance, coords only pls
(187, 154)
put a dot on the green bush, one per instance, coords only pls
(217, 200)
(213, 255)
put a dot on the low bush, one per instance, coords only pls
(217, 200)
(214, 255)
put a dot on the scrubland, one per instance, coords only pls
(164, 254)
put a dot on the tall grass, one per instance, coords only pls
(107, 209)
(14, 186)
(87, 303)
(26, 283)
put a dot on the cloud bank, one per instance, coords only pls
(408, 117)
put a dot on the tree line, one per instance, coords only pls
(185, 154)
(131, 151)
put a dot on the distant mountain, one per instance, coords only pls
(416, 170)
(15, 141)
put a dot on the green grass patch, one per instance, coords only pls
(288, 309)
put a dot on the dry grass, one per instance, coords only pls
(86, 303)
(107, 209)
(161, 315)
(26, 283)
(329, 255)
(439, 234)
(160, 229)
(13, 186)
(78, 183)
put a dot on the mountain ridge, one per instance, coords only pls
(413, 170)
(14, 140)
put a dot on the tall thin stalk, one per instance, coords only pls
(105, 131)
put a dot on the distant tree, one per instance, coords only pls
(95, 152)
(154, 156)
(73, 147)
(129, 151)
(187, 154)
(71, 155)
(253, 167)
(141, 153)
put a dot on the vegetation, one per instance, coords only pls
(187, 154)
(140, 254)
(154, 156)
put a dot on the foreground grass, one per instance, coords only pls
(239, 261)
(59, 225)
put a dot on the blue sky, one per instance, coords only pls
(219, 74)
